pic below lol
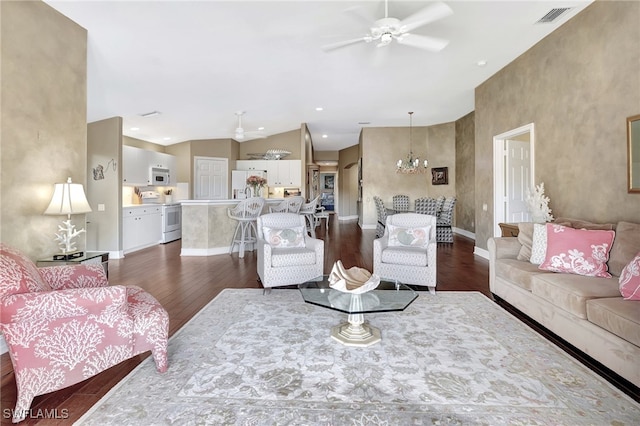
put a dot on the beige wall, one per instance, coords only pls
(104, 147)
(44, 121)
(383, 146)
(465, 173)
(289, 141)
(577, 86)
(142, 144)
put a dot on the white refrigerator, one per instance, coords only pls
(239, 183)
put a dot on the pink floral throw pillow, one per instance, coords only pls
(630, 280)
(577, 251)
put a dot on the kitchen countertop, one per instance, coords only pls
(128, 206)
(223, 202)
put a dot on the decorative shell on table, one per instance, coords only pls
(353, 280)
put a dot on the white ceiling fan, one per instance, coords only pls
(241, 134)
(385, 30)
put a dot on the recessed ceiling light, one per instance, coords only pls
(135, 128)
(260, 128)
(167, 139)
(325, 136)
(319, 108)
(482, 62)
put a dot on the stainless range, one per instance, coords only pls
(171, 222)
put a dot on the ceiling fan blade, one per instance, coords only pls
(424, 16)
(432, 44)
(340, 44)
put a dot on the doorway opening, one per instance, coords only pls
(513, 175)
(328, 191)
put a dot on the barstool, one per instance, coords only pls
(246, 213)
(309, 210)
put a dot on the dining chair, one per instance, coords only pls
(400, 203)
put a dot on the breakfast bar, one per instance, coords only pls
(207, 230)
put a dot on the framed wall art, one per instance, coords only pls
(440, 176)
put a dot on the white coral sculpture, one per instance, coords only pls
(66, 235)
(538, 204)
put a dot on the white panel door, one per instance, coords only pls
(518, 180)
(210, 178)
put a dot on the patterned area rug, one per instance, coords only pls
(452, 358)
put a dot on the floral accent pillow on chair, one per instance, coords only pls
(577, 251)
(400, 236)
(285, 238)
(630, 280)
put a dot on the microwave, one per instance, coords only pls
(159, 176)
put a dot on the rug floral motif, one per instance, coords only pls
(449, 359)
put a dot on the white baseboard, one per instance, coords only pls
(464, 233)
(481, 252)
(116, 254)
(363, 226)
(348, 217)
(3, 345)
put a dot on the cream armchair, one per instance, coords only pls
(286, 254)
(407, 250)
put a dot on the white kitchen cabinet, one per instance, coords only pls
(285, 173)
(251, 164)
(141, 227)
(280, 173)
(135, 166)
(164, 161)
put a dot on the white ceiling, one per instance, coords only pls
(198, 62)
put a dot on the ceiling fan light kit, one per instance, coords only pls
(387, 29)
(240, 133)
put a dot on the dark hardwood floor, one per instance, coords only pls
(184, 285)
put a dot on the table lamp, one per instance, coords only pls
(68, 198)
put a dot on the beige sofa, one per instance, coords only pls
(587, 312)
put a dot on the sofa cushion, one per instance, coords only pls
(577, 251)
(570, 292)
(408, 256)
(517, 272)
(525, 237)
(625, 246)
(583, 224)
(539, 244)
(630, 280)
(621, 317)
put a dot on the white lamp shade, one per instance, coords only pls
(68, 198)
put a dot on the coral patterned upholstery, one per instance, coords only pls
(409, 264)
(64, 324)
(280, 265)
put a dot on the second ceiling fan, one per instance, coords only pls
(385, 30)
(241, 134)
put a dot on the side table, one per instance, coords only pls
(509, 229)
(90, 257)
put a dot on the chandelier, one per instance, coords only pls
(411, 164)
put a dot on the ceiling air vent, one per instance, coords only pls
(552, 15)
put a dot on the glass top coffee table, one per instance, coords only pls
(387, 297)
